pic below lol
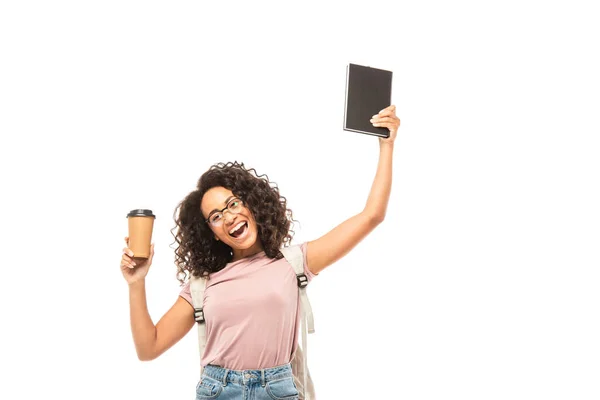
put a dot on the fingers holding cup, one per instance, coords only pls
(151, 254)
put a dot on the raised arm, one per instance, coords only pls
(150, 340)
(340, 240)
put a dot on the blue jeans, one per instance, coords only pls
(267, 384)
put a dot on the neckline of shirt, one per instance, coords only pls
(261, 253)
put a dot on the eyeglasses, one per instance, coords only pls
(234, 206)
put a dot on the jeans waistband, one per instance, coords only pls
(225, 375)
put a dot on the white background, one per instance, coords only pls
(483, 281)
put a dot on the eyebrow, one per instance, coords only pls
(226, 202)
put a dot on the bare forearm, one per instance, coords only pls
(379, 196)
(142, 327)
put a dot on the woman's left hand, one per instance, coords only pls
(387, 119)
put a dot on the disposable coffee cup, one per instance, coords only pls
(141, 223)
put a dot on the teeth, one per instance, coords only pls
(236, 227)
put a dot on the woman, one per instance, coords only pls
(231, 229)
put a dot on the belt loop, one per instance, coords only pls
(262, 377)
(225, 377)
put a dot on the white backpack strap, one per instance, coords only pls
(295, 257)
(197, 288)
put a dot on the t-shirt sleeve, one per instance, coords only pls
(307, 272)
(186, 294)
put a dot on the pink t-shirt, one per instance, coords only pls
(252, 313)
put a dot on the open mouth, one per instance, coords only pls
(239, 230)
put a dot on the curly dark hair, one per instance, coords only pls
(198, 253)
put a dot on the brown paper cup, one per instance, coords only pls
(141, 223)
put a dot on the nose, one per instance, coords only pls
(228, 216)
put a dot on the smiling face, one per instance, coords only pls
(236, 227)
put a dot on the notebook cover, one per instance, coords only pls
(368, 91)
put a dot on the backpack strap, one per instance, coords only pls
(295, 257)
(197, 288)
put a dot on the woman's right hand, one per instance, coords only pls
(135, 269)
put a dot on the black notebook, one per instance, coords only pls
(368, 91)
